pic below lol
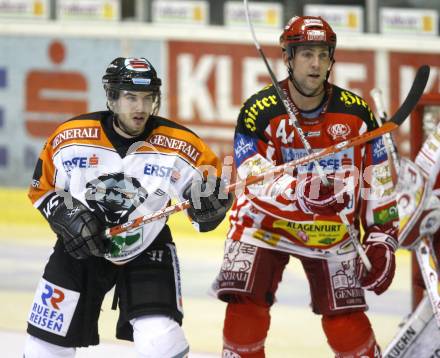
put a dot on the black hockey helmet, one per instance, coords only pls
(130, 74)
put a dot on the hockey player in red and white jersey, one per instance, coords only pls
(107, 168)
(295, 215)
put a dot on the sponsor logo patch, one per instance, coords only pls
(382, 181)
(256, 165)
(346, 289)
(334, 162)
(81, 162)
(349, 99)
(379, 150)
(252, 111)
(137, 64)
(316, 233)
(76, 133)
(160, 171)
(53, 308)
(181, 146)
(386, 213)
(268, 237)
(316, 35)
(141, 81)
(237, 266)
(126, 243)
(311, 22)
(244, 146)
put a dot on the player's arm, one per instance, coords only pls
(80, 230)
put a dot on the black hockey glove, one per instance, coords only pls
(209, 204)
(80, 229)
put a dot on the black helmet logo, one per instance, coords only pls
(137, 64)
(131, 74)
(113, 197)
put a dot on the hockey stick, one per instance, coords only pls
(398, 118)
(376, 94)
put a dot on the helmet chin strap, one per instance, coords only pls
(116, 121)
(119, 125)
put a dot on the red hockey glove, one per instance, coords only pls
(379, 248)
(317, 198)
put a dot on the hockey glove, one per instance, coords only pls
(379, 249)
(317, 198)
(80, 229)
(209, 204)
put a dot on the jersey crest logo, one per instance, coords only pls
(113, 197)
(339, 130)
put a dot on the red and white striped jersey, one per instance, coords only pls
(270, 215)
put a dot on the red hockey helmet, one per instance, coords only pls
(307, 30)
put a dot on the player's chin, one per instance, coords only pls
(135, 130)
(314, 88)
(311, 90)
(139, 123)
(316, 81)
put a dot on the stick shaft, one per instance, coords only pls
(239, 185)
(398, 118)
(382, 117)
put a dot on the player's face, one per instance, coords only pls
(310, 65)
(133, 110)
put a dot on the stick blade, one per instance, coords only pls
(413, 96)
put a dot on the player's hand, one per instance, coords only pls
(209, 204)
(317, 198)
(379, 249)
(82, 232)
